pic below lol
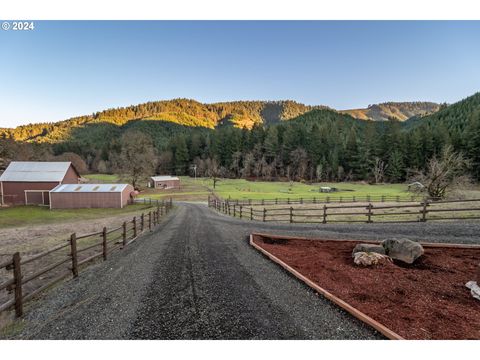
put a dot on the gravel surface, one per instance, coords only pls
(196, 277)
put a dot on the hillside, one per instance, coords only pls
(393, 110)
(191, 113)
(314, 144)
(179, 111)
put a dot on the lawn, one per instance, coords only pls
(105, 178)
(18, 216)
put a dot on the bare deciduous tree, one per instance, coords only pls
(443, 172)
(378, 170)
(212, 170)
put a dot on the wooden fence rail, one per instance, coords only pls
(426, 210)
(76, 253)
(326, 200)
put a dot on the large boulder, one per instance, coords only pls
(368, 248)
(404, 250)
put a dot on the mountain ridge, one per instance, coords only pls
(189, 112)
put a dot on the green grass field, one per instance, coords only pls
(18, 216)
(241, 189)
(102, 177)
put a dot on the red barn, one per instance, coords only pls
(165, 182)
(29, 182)
(77, 196)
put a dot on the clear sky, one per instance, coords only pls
(65, 69)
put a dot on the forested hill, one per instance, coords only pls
(315, 144)
(394, 110)
(195, 114)
(179, 111)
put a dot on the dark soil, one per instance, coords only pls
(426, 300)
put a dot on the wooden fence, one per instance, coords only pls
(327, 199)
(73, 254)
(426, 210)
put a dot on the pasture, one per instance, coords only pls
(241, 189)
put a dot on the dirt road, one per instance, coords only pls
(196, 277)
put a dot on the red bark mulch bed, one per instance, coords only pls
(426, 300)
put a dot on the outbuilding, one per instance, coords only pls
(29, 182)
(76, 196)
(165, 182)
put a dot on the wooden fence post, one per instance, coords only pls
(328, 199)
(124, 233)
(209, 200)
(314, 199)
(288, 200)
(291, 214)
(424, 210)
(17, 277)
(234, 210)
(398, 198)
(240, 211)
(369, 213)
(104, 243)
(264, 214)
(276, 201)
(251, 213)
(324, 214)
(383, 198)
(161, 211)
(142, 223)
(134, 227)
(73, 248)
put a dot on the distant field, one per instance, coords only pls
(199, 189)
(102, 177)
(243, 189)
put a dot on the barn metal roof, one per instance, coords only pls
(35, 171)
(164, 178)
(89, 188)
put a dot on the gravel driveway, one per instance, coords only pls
(196, 277)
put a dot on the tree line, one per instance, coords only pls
(319, 145)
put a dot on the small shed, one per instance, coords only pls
(29, 182)
(165, 182)
(76, 196)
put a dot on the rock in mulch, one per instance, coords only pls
(369, 248)
(403, 250)
(474, 289)
(370, 259)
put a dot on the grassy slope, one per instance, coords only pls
(36, 215)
